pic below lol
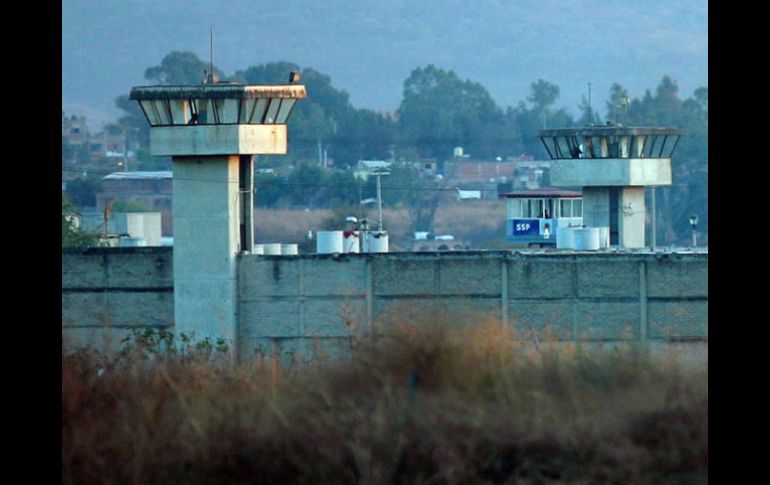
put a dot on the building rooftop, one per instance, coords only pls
(163, 174)
(610, 130)
(543, 192)
(219, 91)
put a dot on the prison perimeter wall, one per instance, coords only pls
(298, 304)
(107, 292)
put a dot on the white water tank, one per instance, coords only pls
(258, 249)
(328, 242)
(565, 238)
(587, 238)
(351, 242)
(376, 242)
(289, 249)
(604, 237)
(131, 242)
(273, 249)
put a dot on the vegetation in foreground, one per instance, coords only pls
(422, 404)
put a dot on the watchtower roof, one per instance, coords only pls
(611, 130)
(219, 91)
(611, 141)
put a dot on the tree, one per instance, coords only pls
(527, 121)
(71, 234)
(82, 191)
(543, 95)
(326, 120)
(439, 111)
(303, 185)
(67, 152)
(180, 68)
(618, 102)
(688, 193)
(588, 115)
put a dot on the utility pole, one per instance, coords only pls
(379, 197)
(654, 227)
(590, 111)
(125, 151)
(694, 224)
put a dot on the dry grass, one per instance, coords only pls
(418, 404)
(470, 220)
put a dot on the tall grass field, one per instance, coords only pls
(428, 403)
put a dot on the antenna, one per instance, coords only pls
(590, 111)
(211, 52)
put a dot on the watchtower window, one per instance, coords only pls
(514, 208)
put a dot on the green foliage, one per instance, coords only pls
(180, 68)
(130, 205)
(82, 191)
(143, 343)
(543, 94)
(688, 194)
(527, 121)
(67, 151)
(326, 117)
(439, 112)
(71, 234)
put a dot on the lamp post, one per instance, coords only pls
(694, 224)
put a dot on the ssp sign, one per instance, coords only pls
(525, 227)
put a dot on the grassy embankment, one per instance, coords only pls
(423, 404)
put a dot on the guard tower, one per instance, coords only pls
(612, 164)
(212, 132)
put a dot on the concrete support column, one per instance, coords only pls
(596, 206)
(246, 190)
(631, 217)
(206, 242)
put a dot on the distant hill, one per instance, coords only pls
(370, 47)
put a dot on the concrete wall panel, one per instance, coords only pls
(334, 276)
(607, 321)
(458, 277)
(404, 275)
(677, 276)
(333, 318)
(271, 276)
(541, 278)
(542, 318)
(270, 318)
(674, 319)
(607, 277)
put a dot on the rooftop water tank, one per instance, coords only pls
(129, 242)
(565, 238)
(328, 242)
(351, 242)
(375, 242)
(273, 249)
(587, 238)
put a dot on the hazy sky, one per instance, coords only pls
(369, 47)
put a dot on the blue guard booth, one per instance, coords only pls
(534, 215)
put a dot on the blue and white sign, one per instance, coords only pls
(526, 227)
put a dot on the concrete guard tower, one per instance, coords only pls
(212, 132)
(612, 164)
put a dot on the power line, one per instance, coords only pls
(329, 185)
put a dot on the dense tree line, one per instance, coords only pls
(438, 111)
